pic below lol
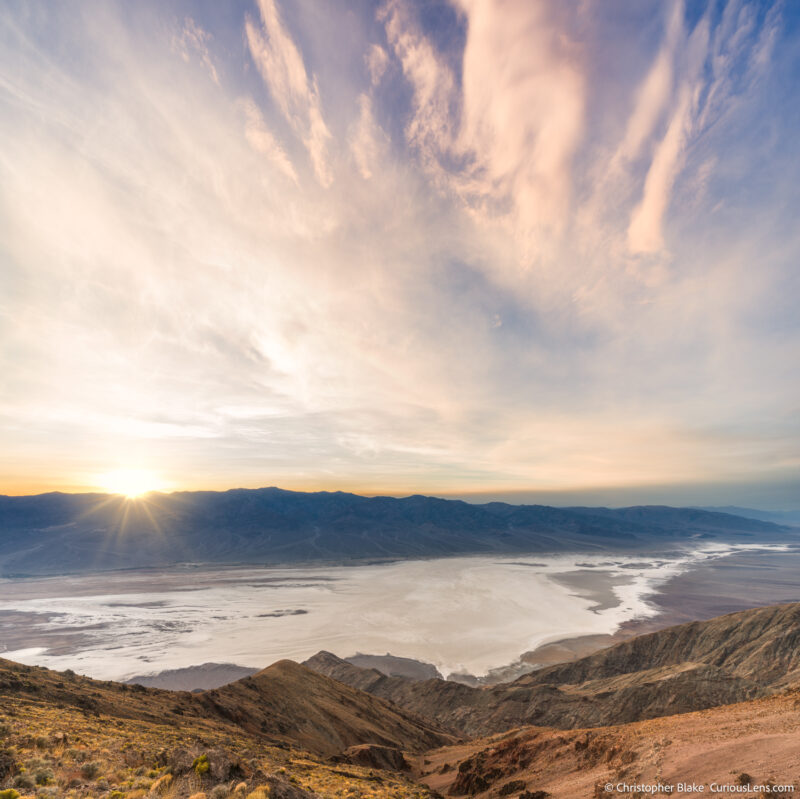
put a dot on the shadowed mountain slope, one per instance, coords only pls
(316, 712)
(284, 704)
(54, 533)
(762, 644)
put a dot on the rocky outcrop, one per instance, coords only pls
(374, 756)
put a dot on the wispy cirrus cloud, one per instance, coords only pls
(193, 39)
(295, 93)
(262, 139)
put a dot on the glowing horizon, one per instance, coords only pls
(466, 247)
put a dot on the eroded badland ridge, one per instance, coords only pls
(666, 706)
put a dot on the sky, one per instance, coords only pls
(456, 247)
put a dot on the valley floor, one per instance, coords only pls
(461, 614)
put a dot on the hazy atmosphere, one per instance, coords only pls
(448, 247)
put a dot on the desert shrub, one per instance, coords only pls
(259, 793)
(241, 788)
(43, 776)
(201, 765)
(41, 742)
(5, 730)
(24, 781)
(220, 792)
(103, 784)
(8, 763)
(9, 793)
(90, 770)
(199, 795)
(116, 795)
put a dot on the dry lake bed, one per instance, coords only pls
(465, 614)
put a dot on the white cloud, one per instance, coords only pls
(655, 92)
(262, 139)
(367, 140)
(524, 101)
(431, 126)
(377, 61)
(645, 231)
(193, 37)
(511, 123)
(281, 66)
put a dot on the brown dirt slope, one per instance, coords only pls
(753, 743)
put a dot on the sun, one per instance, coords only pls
(131, 483)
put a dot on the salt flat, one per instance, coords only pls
(465, 614)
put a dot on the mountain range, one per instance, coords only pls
(784, 517)
(57, 533)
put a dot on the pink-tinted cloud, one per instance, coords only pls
(295, 93)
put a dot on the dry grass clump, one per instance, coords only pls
(161, 785)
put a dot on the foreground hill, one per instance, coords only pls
(54, 533)
(749, 744)
(284, 705)
(728, 659)
(62, 734)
